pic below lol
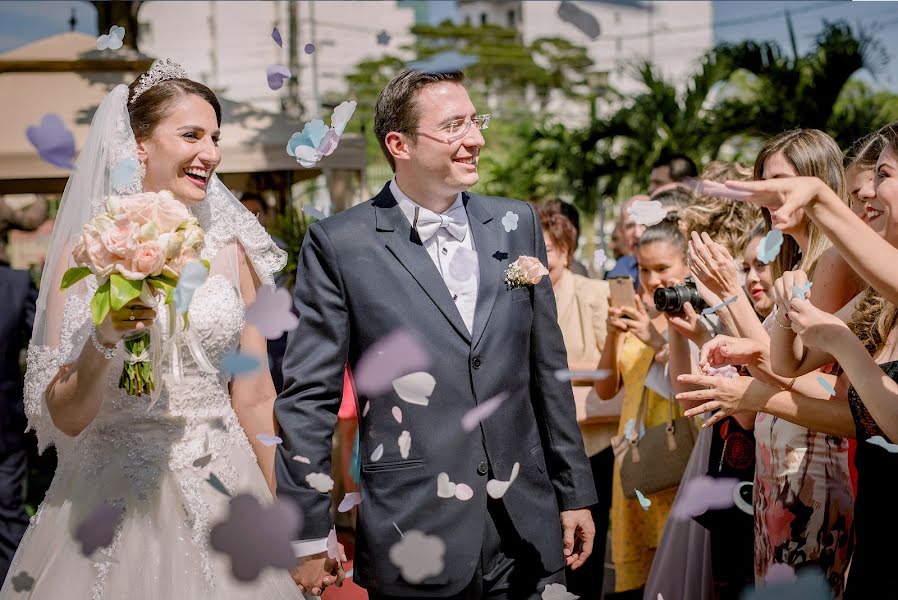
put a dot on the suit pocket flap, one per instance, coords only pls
(537, 454)
(393, 465)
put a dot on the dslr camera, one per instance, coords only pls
(672, 299)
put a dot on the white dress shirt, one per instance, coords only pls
(462, 280)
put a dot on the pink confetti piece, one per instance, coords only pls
(568, 375)
(269, 440)
(271, 312)
(349, 500)
(702, 494)
(302, 459)
(397, 414)
(333, 546)
(389, 358)
(473, 417)
(463, 492)
(418, 556)
(98, 529)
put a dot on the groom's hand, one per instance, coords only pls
(315, 573)
(579, 532)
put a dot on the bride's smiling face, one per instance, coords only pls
(182, 152)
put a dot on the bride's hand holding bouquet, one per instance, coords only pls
(137, 250)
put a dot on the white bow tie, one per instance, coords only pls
(428, 223)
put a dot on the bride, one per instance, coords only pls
(153, 459)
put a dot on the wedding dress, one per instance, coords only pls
(153, 459)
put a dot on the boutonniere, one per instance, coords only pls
(525, 271)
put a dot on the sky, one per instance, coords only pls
(734, 20)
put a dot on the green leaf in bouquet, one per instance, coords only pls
(208, 265)
(161, 284)
(123, 291)
(99, 304)
(73, 276)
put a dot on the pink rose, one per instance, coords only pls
(158, 208)
(175, 266)
(139, 208)
(121, 238)
(91, 252)
(148, 260)
(170, 213)
(533, 269)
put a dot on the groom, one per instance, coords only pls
(429, 258)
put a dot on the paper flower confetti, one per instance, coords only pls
(878, 440)
(313, 212)
(568, 375)
(302, 459)
(317, 140)
(405, 444)
(728, 371)
(647, 212)
(389, 358)
(463, 492)
(644, 502)
(270, 313)
(22, 582)
(333, 546)
(473, 417)
(202, 461)
(276, 36)
(510, 221)
(769, 246)
(397, 414)
(826, 386)
(702, 494)
(111, 40)
(192, 278)
(98, 529)
(378, 453)
(269, 440)
(277, 75)
(415, 388)
(713, 309)
(53, 141)
(238, 364)
(256, 536)
(579, 18)
(449, 61)
(122, 174)
(497, 488)
(383, 38)
(216, 484)
(599, 258)
(448, 489)
(463, 265)
(557, 591)
(418, 556)
(320, 481)
(801, 292)
(349, 500)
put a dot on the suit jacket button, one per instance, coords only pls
(482, 468)
(476, 363)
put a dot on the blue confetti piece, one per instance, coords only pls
(123, 173)
(644, 502)
(444, 62)
(769, 246)
(193, 276)
(809, 585)
(801, 292)
(826, 386)
(216, 483)
(237, 364)
(878, 440)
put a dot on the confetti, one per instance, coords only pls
(443, 62)
(378, 453)
(349, 500)
(309, 48)
(193, 276)
(269, 440)
(397, 414)
(98, 529)
(276, 36)
(255, 537)
(728, 371)
(510, 221)
(366, 408)
(216, 483)
(779, 573)
(320, 481)
(271, 312)
(769, 246)
(463, 492)
(277, 75)
(313, 212)
(333, 546)
(557, 591)
(202, 461)
(568, 375)
(644, 502)
(473, 417)
(112, 40)
(647, 212)
(702, 494)
(122, 174)
(878, 440)
(415, 388)
(599, 258)
(316, 140)
(389, 358)
(807, 584)
(445, 487)
(53, 141)
(497, 488)
(801, 292)
(418, 556)
(405, 444)
(22, 582)
(238, 364)
(713, 309)
(463, 265)
(383, 38)
(579, 18)
(826, 386)
(302, 459)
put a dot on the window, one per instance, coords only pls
(511, 18)
(483, 18)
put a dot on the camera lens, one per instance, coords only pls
(672, 299)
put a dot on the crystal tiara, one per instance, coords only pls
(159, 72)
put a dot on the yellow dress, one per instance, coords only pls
(636, 533)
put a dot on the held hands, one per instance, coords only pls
(129, 320)
(712, 264)
(315, 573)
(579, 532)
(727, 396)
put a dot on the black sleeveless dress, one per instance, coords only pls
(873, 572)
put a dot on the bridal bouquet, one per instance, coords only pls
(136, 249)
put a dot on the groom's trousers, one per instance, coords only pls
(508, 569)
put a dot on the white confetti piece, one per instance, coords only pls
(557, 591)
(497, 488)
(415, 388)
(647, 212)
(713, 309)
(463, 492)
(473, 417)
(510, 221)
(397, 414)
(769, 246)
(644, 502)
(302, 459)
(378, 453)
(349, 500)
(405, 444)
(878, 440)
(418, 556)
(445, 487)
(320, 481)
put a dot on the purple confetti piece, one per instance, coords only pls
(271, 312)
(389, 358)
(780, 573)
(579, 18)
(703, 494)
(277, 74)
(98, 529)
(309, 48)
(480, 412)
(333, 546)
(269, 440)
(53, 141)
(276, 36)
(569, 375)
(349, 500)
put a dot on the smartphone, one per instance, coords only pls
(622, 292)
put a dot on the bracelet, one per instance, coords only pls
(777, 319)
(107, 351)
(789, 385)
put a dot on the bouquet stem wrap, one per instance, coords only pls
(137, 373)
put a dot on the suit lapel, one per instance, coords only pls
(405, 245)
(492, 254)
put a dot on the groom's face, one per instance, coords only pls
(442, 160)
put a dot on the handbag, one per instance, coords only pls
(656, 461)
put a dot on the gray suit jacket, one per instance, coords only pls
(363, 274)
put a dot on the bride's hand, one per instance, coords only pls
(125, 322)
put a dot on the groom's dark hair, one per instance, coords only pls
(397, 106)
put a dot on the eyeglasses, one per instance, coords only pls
(455, 130)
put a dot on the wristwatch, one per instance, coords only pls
(107, 351)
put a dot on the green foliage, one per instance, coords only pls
(290, 229)
(99, 304)
(73, 276)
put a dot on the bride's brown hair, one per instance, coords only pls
(152, 106)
